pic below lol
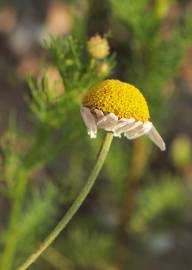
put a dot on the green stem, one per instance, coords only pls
(76, 204)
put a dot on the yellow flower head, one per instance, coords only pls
(98, 47)
(122, 99)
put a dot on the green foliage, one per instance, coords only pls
(159, 204)
(34, 223)
(97, 246)
(139, 16)
(181, 145)
(43, 169)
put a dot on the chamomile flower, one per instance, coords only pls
(120, 108)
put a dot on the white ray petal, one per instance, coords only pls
(89, 121)
(134, 136)
(123, 125)
(99, 114)
(156, 138)
(145, 128)
(108, 122)
(134, 130)
(124, 121)
(136, 126)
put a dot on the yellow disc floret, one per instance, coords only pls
(122, 99)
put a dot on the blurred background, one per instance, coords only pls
(139, 213)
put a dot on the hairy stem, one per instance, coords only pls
(76, 204)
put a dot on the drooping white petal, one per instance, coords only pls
(99, 114)
(145, 128)
(122, 125)
(108, 122)
(89, 121)
(124, 121)
(135, 127)
(156, 138)
(133, 136)
(133, 130)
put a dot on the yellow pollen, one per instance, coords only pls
(122, 99)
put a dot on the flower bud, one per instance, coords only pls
(103, 69)
(98, 47)
(54, 87)
(55, 82)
